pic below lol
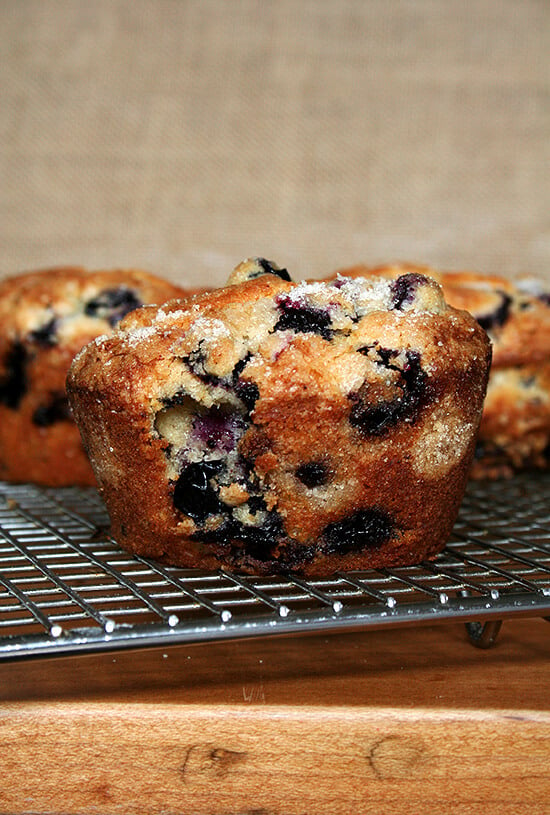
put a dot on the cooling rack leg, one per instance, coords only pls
(483, 635)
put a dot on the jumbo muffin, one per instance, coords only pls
(515, 428)
(46, 317)
(275, 427)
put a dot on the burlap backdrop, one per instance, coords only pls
(183, 135)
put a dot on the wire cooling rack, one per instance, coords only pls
(67, 588)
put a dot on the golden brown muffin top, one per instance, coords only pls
(515, 314)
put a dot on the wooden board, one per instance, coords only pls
(403, 721)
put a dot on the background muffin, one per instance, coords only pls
(45, 319)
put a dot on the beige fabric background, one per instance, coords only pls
(182, 135)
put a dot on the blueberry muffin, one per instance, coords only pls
(46, 317)
(515, 428)
(276, 427)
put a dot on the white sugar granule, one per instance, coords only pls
(210, 328)
(137, 335)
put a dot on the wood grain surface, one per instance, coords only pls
(403, 721)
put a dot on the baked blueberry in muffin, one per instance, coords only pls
(515, 428)
(272, 426)
(46, 317)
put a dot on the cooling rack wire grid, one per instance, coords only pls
(67, 588)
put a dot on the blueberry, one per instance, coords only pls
(258, 541)
(498, 316)
(240, 366)
(46, 334)
(194, 495)
(112, 304)
(403, 288)
(263, 548)
(218, 430)
(302, 317)
(373, 414)
(271, 268)
(313, 473)
(13, 384)
(253, 268)
(56, 410)
(383, 356)
(248, 392)
(247, 541)
(373, 420)
(480, 451)
(365, 529)
(544, 298)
